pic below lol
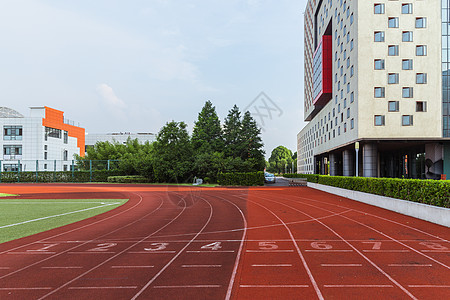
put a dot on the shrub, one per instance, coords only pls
(62, 176)
(241, 179)
(310, 177)
(128, 179)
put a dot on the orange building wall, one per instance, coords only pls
(55, 119)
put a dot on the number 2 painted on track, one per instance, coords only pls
(158, 247)
(213, 246)
(434, 246)
(103, 247)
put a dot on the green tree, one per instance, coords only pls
(207, 132)
(251, 143)
(172, 153)
(232, 133)
(279, 159)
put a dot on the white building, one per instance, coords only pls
(43, 141)
(376, 75)
(119, 137)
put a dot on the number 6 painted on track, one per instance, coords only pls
(321, 246)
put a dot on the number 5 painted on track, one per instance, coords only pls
(268, 246)
(321, 246)
(213, 246)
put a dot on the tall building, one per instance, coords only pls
(376, 78)
(44, 141)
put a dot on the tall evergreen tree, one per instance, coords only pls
(207, 133)
(251, 143)
(232, 133)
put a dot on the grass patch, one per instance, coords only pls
(7, 195)
(24, 217)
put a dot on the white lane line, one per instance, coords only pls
(201, 266)
(91, 252)
(61, 267)
(31, 253)
(429, 286)
(5, 268)
(328, 250)
(186, 286)
(150, 252)
(101, 287)
(341, 265)
(409, 265)
(212, 251)
(436, 251)
(273, 265)
(269, 251)
(58, 215)
(359, 286)
(127, 267)
(275, 286)
(25, 289)
(386, 251)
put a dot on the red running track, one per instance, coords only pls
(219, 243)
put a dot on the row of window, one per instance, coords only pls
(12, 133)
(407, 92)
(421, 22)
(407, 36)
(407, 120)
(394, 106)
(407, 8)
(421, 50)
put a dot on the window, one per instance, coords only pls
(407, 36)
(393, 22)
(53, 132)
(12, 133)
(65, 155)
(352, 123)
(12, 150)
(348, 87)
(407, 64)
(351, 19)
(407, 92)
(45, 166)
(379, 92)
(66, 137)
(351, 45)
(45, 155)
(352, 72)
(352, 97)
(392, 78)
(379, 36)
(348, 113)
(421, 22)
(45, 147)
(421, 50)
(421, 78)
(393, 105)
(378, 8)
(407, 8)
(407, 120)
(393, 50)
(379, 64)
(379, 120)
(421, 106)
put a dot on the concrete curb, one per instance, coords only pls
(433, 214)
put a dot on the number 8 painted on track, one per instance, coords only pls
(321, 246)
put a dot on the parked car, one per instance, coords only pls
(269, 178)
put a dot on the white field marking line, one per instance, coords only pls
(91, 252)
(30, 253)
(429, 286)
(389, 237)
(359, 286)
(436, 251)
(269, 251)
(302, 258)
(61, 267)
(82, 227)
(130, 267)
(151, 252)
(5, 268)
(186, 286)
(275, 286)
(410, 265)
(65, 202)
(386, 251)
(211, 251)
(58, 215)
(341, 265)
(273, 265)
(309, 250)
(201, 266)
(25, 289)
(241, 246)
(87, 242)
(101, 287)
(350, 245)
(109, 259)
(372, 215)
(176, 256)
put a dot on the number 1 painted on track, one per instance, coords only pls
(376, 245)
(45, 248)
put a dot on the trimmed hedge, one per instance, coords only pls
(241, 179)
(128, 179)
(64, 176)
(432, 192)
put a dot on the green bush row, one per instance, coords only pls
(63, 176)
(433, 192)
(241, 179)
(128, 179)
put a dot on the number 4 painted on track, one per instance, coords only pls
(213, 246)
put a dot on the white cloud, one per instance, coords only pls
(109, 97)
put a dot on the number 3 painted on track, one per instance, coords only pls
(159, 246)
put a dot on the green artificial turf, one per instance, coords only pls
(24, 217)
(6, 195)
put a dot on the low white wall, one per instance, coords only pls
(433, 214)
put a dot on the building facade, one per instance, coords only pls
(376, 79)
(44, 141)
(119, 137)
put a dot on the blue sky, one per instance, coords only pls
(133, 65)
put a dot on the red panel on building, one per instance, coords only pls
(323, 72)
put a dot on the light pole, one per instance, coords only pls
(357, 150)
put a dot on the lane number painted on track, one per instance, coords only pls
(45, 248)
(433, 246)
(376, 245)
(213, 246)
(157, 247)
(268, 246)
(321, 246)
(103, 247)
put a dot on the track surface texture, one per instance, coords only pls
(226, 243)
